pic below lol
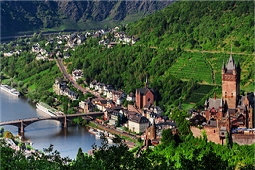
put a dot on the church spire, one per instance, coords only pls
(231, 63)
(146, 82)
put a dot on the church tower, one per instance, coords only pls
(231, 82)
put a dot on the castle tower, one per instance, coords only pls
(231, 82)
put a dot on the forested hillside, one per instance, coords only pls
(165, 54)
(24, 16)
(213, 26)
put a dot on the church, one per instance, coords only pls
(233, 109)
(144, 96)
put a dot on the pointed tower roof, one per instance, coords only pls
(231, 63)
(206, 102)
(147, 83)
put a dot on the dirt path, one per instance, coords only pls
(205, 51)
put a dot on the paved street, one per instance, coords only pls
(85, 90)
(74, 83)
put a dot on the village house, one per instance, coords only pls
(108, 91)
(11, 53)
(100, 104)
(99, 87)
(108, 94)
(110, 104)
(87, 105)
(36, 48)
(92, 84)
(137, 123)
(118, 96)
(115, 117)
(131, 97)
(60, 88)
(109, 110)
(67, 55)
(41, 57)
(77, 74)
(112, 44)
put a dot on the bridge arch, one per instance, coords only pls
(21, 124)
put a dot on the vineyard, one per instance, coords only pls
(200, 93)
(192, 65)
(206, 67)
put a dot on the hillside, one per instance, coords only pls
(167, 57)
(205, 37)
(213, 26)
(179, 73)
(25, 16)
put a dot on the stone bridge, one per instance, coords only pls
(22, 123)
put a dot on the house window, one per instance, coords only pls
(225, 94)
(149, 99)
(231, 94)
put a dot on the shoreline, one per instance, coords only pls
(129, 143)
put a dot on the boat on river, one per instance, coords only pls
(10, 90)
(93, 131)
(46, 109)
(99, 135)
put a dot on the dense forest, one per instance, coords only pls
(174, 152)
(214, 26)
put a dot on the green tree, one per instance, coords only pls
(179, 116)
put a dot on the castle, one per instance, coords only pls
(232, 110)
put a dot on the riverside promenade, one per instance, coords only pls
(115, 131)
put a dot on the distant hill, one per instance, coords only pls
(23, 16)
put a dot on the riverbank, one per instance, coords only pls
(130, 141)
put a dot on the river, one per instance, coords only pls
(43, 133)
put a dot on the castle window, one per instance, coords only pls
(231, 94)
(225, 94)
(149, 99)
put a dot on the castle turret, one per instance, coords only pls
(230, 83)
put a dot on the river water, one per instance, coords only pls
(43, 133)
